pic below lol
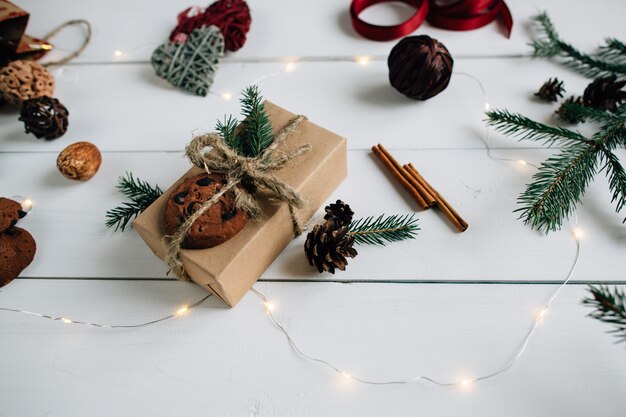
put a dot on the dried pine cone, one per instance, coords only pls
(45, 117)
(22, 80)
(605, 93)
(551, 90)
(567, 116)
(328, 245)
(340, 212)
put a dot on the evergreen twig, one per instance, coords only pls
(609, 307)
(141, 195)
(550, 45)
(256, 129)
(228, 130)
(527, 129)
(613, 51)
(379, 230)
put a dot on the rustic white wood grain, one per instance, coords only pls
(217, 361)
(127, 107)
(68, 221)
(282, 28)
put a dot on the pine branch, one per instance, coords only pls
(228, 130)
(613, 51)
(141, 195)
(136, 189)
(617, 179)
(377, 231)
(589, 114)
(609, 307)
(550, 45)
(558, 186)
(256, 129)
(527, 129)
(121, 215)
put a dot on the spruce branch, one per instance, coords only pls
(141, 195)
(256, 129)
(617, 179)
(580, 112)
(613, 51)
(609, 307)
(557, 187)
(550, 45)
(379, 230)
(227, 129)
(515, 124)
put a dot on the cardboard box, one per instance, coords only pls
(230, 269)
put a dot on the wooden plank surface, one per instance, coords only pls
(219, 361)
(127, 108)
(386, 321)
(68, 221)
(283, 29)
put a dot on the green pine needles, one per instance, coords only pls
(141, 195)
(254, 134)
(379, 230)
(561, 180)
(611, 57)
(609, 307)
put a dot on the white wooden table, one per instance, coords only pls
(447, 305)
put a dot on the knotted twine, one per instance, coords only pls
(252, 171)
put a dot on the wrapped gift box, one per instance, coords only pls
(230, 269)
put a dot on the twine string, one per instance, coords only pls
(255, 171)
(77, 52)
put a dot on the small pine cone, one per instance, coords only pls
(551, 90)
(339, 212)
(568, 116)
(45, 117)
(328, 245)
(605, 93)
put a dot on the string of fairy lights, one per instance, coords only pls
(270, 307)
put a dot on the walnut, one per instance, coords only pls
(79, 161)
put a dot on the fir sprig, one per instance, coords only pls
(254, 134)
(379, 230)
(141, 195)
(561, 180)
(527, 129)
(550, 45)
(256, 129)
(609, 307)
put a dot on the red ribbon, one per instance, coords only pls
(457, 15)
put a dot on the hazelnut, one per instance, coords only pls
(79, 161)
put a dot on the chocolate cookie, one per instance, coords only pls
(17, 250)
(10, 213)
(217, 224)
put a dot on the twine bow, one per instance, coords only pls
(254, 172)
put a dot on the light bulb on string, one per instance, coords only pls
(25, 202)
(117, 53)
(181, 311)
(227, 96)
(290, 66)
(363, 60)
(578, 233)
(66, 320)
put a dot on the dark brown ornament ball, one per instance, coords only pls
(216, 225)
(45, 117)
(419, 67)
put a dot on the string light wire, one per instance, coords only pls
(269, 306)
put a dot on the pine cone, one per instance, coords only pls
(340, 212)
(551, 90)
(328, 245)
(605, 93)
(45, 117)
(568, 116)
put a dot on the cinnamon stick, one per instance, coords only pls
(426, 195)
(400, 174)
(442, 203)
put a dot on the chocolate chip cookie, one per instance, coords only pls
(10, 213)
(17, 250)
(216, 225)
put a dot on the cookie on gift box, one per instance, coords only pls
(216, 225)
(10, 213)
(17, 251)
